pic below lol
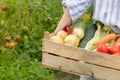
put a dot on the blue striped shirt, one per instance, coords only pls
(106, 11)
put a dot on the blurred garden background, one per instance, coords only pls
(22, 25)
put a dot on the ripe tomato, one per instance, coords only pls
(118, 39)
(117, 45)
(112, 49)
(8, 39)
(17, 38)
(68, 29)
(12, 45)
(102, 48)
(4, 8)
(117, 54)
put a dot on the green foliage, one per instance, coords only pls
(24, 68)
(29, 19)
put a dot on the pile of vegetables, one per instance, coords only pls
(93, 38)
(104, 47)
(69, 36)
(12, 41)
(104, 41)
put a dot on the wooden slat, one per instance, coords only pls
(82, 55)
(58, 63)
(74, 67)
(46, 35)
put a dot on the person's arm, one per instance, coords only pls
(73, 10)
(65, 20)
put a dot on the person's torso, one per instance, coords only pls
(107, 11)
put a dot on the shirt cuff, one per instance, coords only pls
(64, 3)
(75, 10)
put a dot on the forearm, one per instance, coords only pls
(65, 20)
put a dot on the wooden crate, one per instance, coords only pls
(94, 64)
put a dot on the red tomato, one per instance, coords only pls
(112, 49)
(68, 29)
(17, 38)
(102, 48)
(117, 54)
(117, 45)
(4, 8)
(118, 39)
(8, 39)
(12, 45)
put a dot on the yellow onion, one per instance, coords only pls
(79, 32)
(56, 39)
(62, 34)
(72, 40)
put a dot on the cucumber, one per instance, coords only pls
(96, 37)
(89, 34)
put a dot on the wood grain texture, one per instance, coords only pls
(98, 65)
(77, 68)
(82, 55)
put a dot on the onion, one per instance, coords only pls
(79, 32)
(72, 40)
(62, 34)
(57, 39)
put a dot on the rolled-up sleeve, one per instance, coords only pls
(77, 7)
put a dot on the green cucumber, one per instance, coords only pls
(89, 34)
(96, 37)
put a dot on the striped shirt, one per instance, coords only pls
(106, 11)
